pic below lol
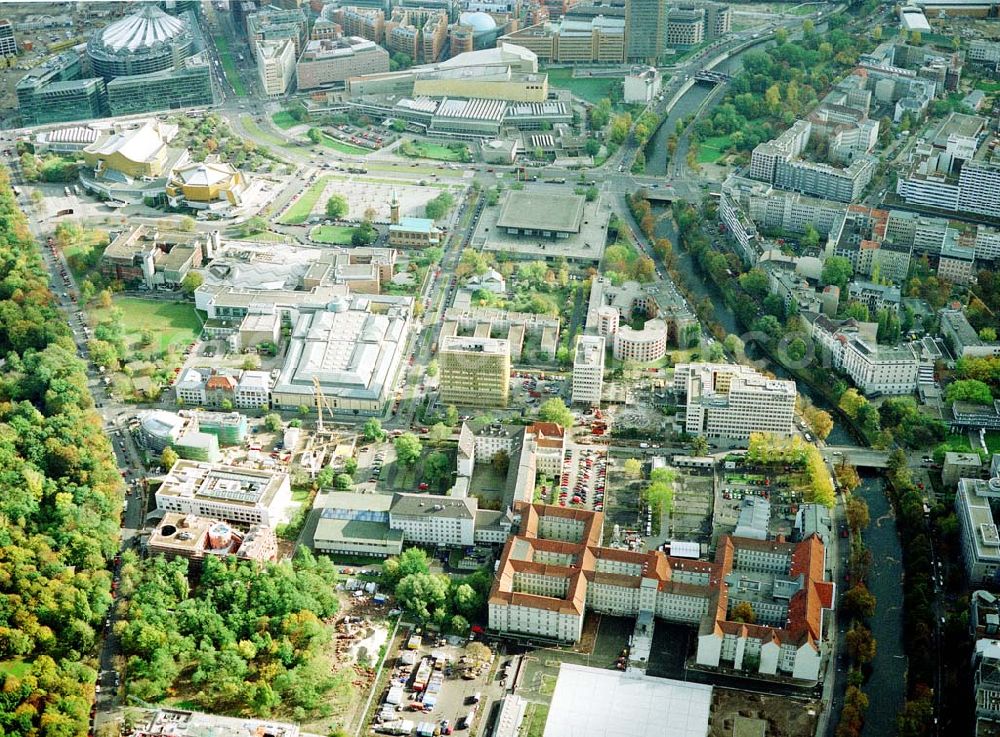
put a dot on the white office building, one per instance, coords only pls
(276, 66)
(434, 520)
(880, 369)
(732, 401)
(588, 369)
(978, 527)
(235, 494)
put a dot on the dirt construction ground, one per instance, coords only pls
(739, 712)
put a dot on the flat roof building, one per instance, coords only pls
(328, 61)
(196, 538)
(443, 521)
(235, 494)
(598, 701)
(552, 216)
(975, 503)
(733, 401)
(355, 524)
(354, 349)
(475, 371)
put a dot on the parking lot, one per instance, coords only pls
(584, 477)
(440, 685)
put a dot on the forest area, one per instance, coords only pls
(60, 504)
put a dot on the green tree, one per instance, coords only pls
(438, 207)
(315, 135)
(408, 449)
(439, 433)
(859, 602)
(837, 270)
(466, 601)
(969, 390)
(743, 612)
(437, 468)
(810, 239)
(272, 422)
(372, 430)
(423, 593)
(168, 458)
(432, 368)
(632, 468)
(343, 482)
(555, 410)
(459, 625)
(500, 462)
(451, 415)
(336, 207)
(191, 282)
(699, 446)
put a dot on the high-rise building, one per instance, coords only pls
(275, 65)
(645, 29)
(732, 401)
(475, 372)
(364, 22)
(8, 44)
(685, 26)
(588, 369)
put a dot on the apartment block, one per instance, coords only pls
(876, 297)
(957, 262)
(924, 234)
(475, 372)
(588, 369)
(640, 346)
(733, 401)
(789, 145)
(555, 569)
(231, 493)
(826, 181)
(366, 23)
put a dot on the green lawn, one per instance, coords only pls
(987, 86)
(591, 89)
(339, 235)
(262, 136)
(993, 442)
(344, 148)
(284, 120)
(711, 149)
(172, 323)
(229, 66)
(436, 151)
(16, 668)
(535, 720)
(302, 207)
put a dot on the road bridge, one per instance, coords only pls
(858, 457)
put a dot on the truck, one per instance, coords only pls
(400, 726)
(423, 675)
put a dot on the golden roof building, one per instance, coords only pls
(206, 185)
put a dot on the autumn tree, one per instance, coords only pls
(858, 601)
(743, 612)
(861, 646)
(857, 513)
(847, 475)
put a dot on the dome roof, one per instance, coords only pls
(480, 22)
(147, 27)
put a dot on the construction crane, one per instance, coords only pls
(320, 403)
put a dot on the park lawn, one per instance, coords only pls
(993, 442)
(339, 235)
(535, 716)
(591, 89)
(81, 249)
(344, 148)
(262, 136)
(302, 207)
(229, 66)
(172, 323)
(437, 152)
(284, 120)
(988, 86)
(711, 149)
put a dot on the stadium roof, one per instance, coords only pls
(147, 27)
